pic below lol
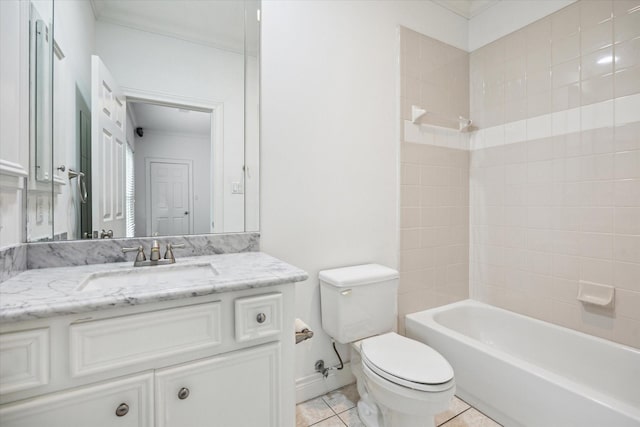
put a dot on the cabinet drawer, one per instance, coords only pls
(93, 406)
(101, 345)
(258, 317)
(24, 360)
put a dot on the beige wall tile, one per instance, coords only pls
(409, 217)
(627, 164)
(539, 34)
(566, 73)
(596, 89)
(622, 7)
(627, 26)
(627, 303)
(627, 82)
(565, 97)
(627, 220)
(597, 37)
(566, 48)
(538, 60)
(410, 153)
(410, 174)
(565, 22)
(597, 141)
(625, 275)
(626, 331)
(627, 193)
(435, 249)
(627, 137)
(627, 248)
(409, 196)
(409, 239)
(538, 81)
(515, 44)
(520, 224)
(627, 54)
(594, 12)
(596, 270)
(566, 267)
(597, 63)
(416, 259)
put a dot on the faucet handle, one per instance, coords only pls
(140, 257)
(169, 252)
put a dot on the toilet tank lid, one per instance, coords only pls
(358, 275)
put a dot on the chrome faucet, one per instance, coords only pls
(155, 251)
(154, 256)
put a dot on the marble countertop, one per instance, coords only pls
(48, 292)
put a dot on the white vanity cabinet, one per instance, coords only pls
(220, 360)
(125, 402)
(236, 389)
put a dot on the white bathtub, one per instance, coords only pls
(525, 372)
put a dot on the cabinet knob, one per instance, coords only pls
(122, 410)
(261, 317)
(183, 393)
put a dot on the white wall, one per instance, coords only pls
(196, 148)
(169, 66)
(330, 140)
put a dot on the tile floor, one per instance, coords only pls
(338, 409)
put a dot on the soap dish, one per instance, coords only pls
(596, 293)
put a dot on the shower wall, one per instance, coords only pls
(434, 193)
(555, 167)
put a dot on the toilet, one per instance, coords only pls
(401, 382)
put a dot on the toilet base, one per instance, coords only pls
(383, 404)
(405, 420)
(372, 417)
(368, 414)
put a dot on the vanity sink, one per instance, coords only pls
(148, 276)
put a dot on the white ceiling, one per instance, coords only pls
(160, 118)
(467, 8)
(219, 23)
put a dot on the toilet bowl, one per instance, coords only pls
(402, 382)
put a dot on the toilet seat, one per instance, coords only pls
(407, 363)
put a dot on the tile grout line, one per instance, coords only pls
(325, 419)
(456, 415)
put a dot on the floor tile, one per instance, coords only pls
(321, 412)
(311, 412)
(456, 407)
(350, 418)
(334, 421)
(342, 399)
(471, 418)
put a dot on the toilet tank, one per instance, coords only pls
(358, 301)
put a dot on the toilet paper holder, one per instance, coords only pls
(303, 335)
(302, 331)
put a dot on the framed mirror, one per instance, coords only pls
(155, 119)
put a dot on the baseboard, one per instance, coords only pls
(316, 385)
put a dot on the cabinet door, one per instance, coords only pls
(121, 403)
(238, 389)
